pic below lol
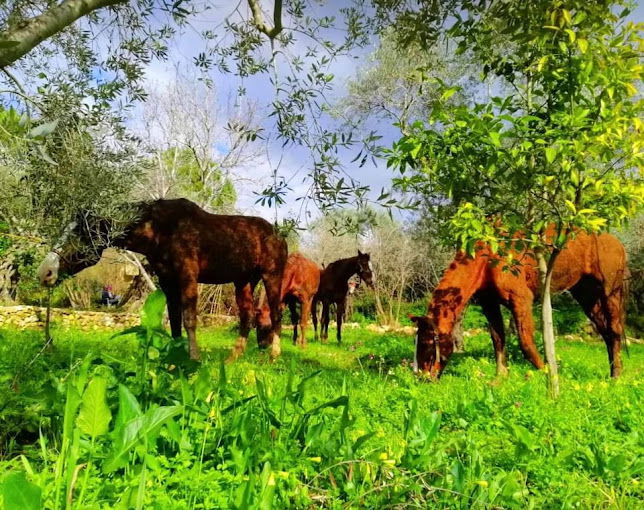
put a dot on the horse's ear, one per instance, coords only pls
(360, 254)
(415, 318)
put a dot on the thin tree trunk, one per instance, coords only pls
(457, 333)
(380, 311)
(545, 272)
(131, 257)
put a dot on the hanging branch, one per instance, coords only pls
(258, 18)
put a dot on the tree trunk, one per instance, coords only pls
(457, 333)
(548, 330)
(380, 311)
(8, 280)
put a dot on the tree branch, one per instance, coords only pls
(258, 18)
(31, 32)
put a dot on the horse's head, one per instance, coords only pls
(263, 326)
(67, 257)
(365, 269)
(432, 349)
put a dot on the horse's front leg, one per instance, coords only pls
(273, 286)
(314, 318)
(244, 298)
(324, 326)
(172, 293)
(521, 307)
(340, 307)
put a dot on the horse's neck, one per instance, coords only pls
(461, 280)
(347, 269)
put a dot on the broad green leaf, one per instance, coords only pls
(448, 93)
(129, 407)
(94, 416)
(583, 45)
(45, 155)
(44, 129)
(137, 429)
(152, 313)
(20, 494)
(566, 16)
(72, 401)
(551, 154)
(8, 44)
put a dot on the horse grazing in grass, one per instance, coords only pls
(591, 267)
(334, 287)
(299, 285)
(185, 245)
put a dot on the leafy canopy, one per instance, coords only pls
(559, 142)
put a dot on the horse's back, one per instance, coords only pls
(225, 247)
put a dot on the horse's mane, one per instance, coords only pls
(340, 262)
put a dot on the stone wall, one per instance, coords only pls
(33, 317)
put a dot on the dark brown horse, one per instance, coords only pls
(334, 285)
(185, 245)
(591, 267)
(299, 285)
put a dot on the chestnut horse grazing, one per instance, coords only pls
(591, 267)
(185, 245)
(334, 287)
(299, 285)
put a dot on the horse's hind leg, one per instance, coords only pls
(606, 315)
(306, 311)
(521, 307)
(244, 299)
(295, 319)
(492, 311)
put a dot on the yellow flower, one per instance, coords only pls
(315, 459)
(482, 483)
(383, 456)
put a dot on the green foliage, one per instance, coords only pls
(324, 427)
(200, 181)
(20, 494)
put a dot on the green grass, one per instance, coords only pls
(281, 434)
